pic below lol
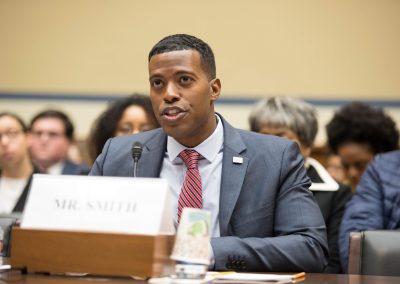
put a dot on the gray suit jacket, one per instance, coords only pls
(269, 220)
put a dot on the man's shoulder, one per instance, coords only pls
(256, 139)
(252, 140)
(142, 137)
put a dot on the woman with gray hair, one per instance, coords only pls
(296, 120)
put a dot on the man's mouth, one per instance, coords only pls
(172, 114)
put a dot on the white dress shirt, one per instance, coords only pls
(56, 169)
(210, 167)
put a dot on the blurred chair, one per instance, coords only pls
(375, 253)
(6, 224)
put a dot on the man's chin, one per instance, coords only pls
(174, 132)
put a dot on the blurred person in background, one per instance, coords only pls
(357, 132)
(129, 115)
(376, 203)
(335, 168)
(15, 164)
(51, 133)
(296, 120)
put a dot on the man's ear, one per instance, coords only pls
(215, 89)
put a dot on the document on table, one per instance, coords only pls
(223, 277)
(231, 277)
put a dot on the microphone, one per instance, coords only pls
(136, 153)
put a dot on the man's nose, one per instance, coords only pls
(44, 136)
(171, 93)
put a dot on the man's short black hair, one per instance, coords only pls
(68, 126)
(187, 42)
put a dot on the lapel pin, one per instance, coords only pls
(237, 160)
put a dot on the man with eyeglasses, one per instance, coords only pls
(51, 133)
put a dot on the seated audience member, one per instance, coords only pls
(376, 203)
(15, 164)
(357, 132)
(51, 133)
(296, 120)
(335, 168)
(129, 115)
(264, 217)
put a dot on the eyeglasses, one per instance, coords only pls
(50, 134)
(10, 134)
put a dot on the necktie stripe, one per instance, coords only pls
(187, 202)
(194, 182)
(191, 192)
(192, 195)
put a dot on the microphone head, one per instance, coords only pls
(136, 150)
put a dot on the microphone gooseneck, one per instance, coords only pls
(136, 154)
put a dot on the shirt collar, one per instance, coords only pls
(209, 148)
(56, 169)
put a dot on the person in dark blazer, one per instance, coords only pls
(52, 133)
(296, 120)
(264, 218)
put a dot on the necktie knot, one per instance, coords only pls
(190, 157)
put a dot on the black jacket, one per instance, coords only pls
(332, 204)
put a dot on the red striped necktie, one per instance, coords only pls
(191, 194)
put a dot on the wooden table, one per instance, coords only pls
(15, 277)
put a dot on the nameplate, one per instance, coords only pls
(99, 204)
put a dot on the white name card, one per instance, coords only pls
(96, 203)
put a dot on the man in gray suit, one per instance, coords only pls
(256, 187)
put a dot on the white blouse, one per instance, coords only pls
(10, 191)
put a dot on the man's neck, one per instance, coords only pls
(196, 140)
(56, 168)
(44, 166)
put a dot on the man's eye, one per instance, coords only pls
(185, 79)
(157, 83)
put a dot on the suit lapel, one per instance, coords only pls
(233, 174)
(152, 156)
